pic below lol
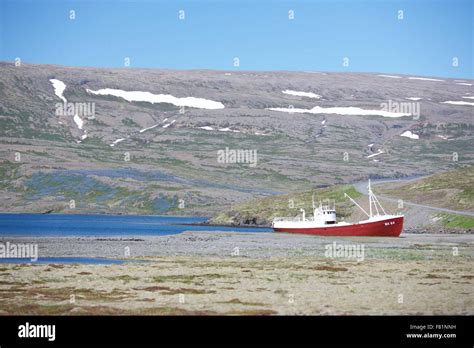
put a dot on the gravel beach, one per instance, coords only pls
(244, 273)
(224, 244)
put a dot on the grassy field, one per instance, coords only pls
(241, 286)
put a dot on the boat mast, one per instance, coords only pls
(370, 200)
(374, 200)
(303, 213)
(346, 195)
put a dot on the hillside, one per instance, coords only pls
(453, 186)
(262, 211)
(150, 143)
(452, 190)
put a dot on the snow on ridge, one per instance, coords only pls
(301, 94)
(59, 88)
(350, 110)
(424, 79)
(391, 76)
(464, 84)
(409, 134)
(460, 102)
(139, 96)
(145, 129)
(469, 97)
(413, 98)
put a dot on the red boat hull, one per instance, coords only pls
(391, 227)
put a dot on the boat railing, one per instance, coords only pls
(282, 218)
(328, 204)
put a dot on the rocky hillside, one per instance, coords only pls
(147, 141)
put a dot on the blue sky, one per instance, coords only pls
(259, 33)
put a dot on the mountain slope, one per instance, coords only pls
(137, 156)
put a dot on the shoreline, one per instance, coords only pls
(206, 223)
(228, 243)
(414, 230)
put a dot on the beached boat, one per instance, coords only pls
(324, 222)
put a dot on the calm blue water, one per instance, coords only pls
(103, 225)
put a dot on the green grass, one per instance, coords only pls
(288, 205)
(456, 221)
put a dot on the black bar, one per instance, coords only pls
(216, 330)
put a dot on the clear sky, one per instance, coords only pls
(260, 33)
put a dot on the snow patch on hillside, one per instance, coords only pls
(425, 79)
(79, 122)
(379, 152)
(59, 88)
(148, 97)
(391, 76)
(117, 141)
(301, 94)
(350, 110)
(169, 124)
(458, 102)
(145, 129)
(409, 134)
(227, 129)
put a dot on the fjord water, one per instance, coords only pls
(104, 225)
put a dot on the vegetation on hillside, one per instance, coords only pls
(452, 189)
(456, 221)
(262, 211)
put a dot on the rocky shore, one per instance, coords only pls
(224, 244)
